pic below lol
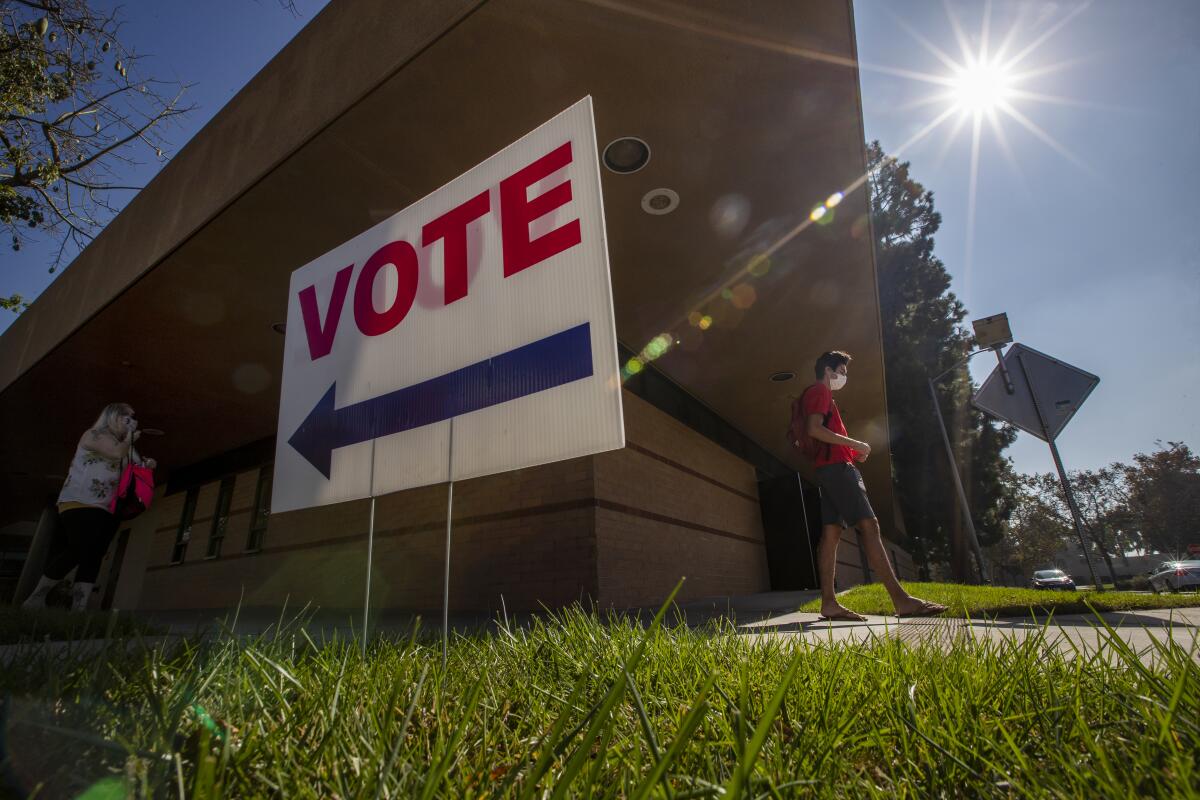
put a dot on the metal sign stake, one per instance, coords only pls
(446, 575)
(370, 552)
(1062, 476)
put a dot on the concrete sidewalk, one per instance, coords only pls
(1083, 634)
(757, 615)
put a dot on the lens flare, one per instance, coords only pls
(760, 266)
(988, 82)
(729, 215)
(744, 296)
(658, 347)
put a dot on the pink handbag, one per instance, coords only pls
(135, 491)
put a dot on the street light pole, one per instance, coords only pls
(962, 495)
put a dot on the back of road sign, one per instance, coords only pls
(1059, 387)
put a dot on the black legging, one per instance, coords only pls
(81, 539)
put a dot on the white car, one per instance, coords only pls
(1052, 579)
(1175, 576)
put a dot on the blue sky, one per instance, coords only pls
(1095, 255)
(1092, 245)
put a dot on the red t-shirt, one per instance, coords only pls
(819, 400)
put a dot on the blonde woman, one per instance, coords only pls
(86, 527)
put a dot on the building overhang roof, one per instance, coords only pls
(751, 110)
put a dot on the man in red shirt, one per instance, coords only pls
(844, 495)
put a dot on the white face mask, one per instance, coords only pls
(837, 381)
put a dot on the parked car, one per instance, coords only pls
(1053, 579)
(1176, 576)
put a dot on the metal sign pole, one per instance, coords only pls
(1075, 515)
(1008, 384)
(962, 495)
(370, 552)
(1062, 477)
(446, 575)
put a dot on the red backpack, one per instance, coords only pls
(798, 431)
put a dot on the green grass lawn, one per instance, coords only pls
(1004, 601)
(575, 706)
(56, 624)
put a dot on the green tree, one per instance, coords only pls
(1101, 497)
(1035, 532)
(15, 303)
(1164, 497)
(74, 114)
(922, 336)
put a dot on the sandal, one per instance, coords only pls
(842, 616)
(926, 609)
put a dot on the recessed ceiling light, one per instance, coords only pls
(280, 328)
(782, 377)
(627, 154)
(660, 201)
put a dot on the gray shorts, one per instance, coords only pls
(843, 495)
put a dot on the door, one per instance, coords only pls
(791, 516)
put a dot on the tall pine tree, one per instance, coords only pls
(923, 335)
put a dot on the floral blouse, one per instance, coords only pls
(92, 479)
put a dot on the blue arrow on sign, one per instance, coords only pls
(553, 361)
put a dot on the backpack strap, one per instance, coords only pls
(798, 435)
(798, 405)
(825, 424)
(797, 411)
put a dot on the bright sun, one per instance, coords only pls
(981, 87)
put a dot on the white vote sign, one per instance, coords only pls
(488, 303)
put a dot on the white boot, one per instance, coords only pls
(80, 594)
(37, 600)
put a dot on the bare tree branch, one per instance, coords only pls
(70, 110)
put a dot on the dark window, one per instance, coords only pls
(220, 517)
(262, 508)
(185, 525)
